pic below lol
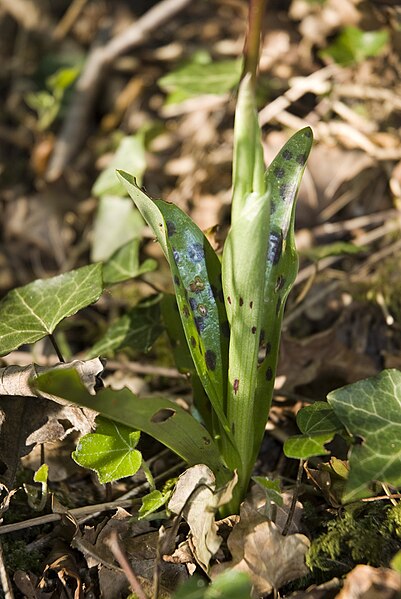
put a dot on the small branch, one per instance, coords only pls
(114, 544)
(294, 499)
(78, 116)
(28, 15)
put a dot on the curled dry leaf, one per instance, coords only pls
(260, 550)
(28, 419)
(196, 497)
(17, 380)
(365, 582)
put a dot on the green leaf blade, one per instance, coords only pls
(159, 417)
(303, 447)
(124, 264)
(110, 451)
(371, 410)
(31, 312)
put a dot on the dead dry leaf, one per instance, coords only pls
(365, 582)
(196, 497)
(260, 550)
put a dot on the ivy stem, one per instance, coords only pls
(56, 348)
(294, 498)
(253, 38)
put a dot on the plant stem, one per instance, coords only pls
(253, 37)
(56, 348)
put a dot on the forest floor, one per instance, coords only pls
(343, 318)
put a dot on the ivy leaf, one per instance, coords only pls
(318, 423)
(371, 411)
(302, 447)
(124, 264)
(138, 329)
(110, 451)
(31, 312)
(159, 417)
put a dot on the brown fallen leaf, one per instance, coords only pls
(196, 497)
(260, 550)
(366, 582)
(27, 419)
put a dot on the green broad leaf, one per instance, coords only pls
(370, 410)
(318, 418)
(228, 585)
(158, 417)
(243, 275)
(41, 475)
(353, 45)
(116, 223)
(196, 274)
(130, 155)
(124, 264)
(396, 562)
(271, 488)
(138, 329)
(31, 312)
(339, 248)
(283, 178)
(110, 451)
(195, 79)
(153, 502)
(302, 447)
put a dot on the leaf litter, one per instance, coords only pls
(337, 339)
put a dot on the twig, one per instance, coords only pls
(56, 348)
(68, 19)
(88, 511)
(4, 578)
(75, 125)
(294, 498)
(116, 548)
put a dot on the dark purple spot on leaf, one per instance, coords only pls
(200, 324)
(192, 303)
(301, 159)
(185, 311)
(197, 285)
(241, 301)
(210, 359)
(170, 228)
(193, 341)
(285, 190)
(287, 155)
(229, 300)
(262, 335)
(236, 386)
(268, 348)
(279, 172)
(177, 280)
(251, 305)
(196, 252)
(176, 256)
(253, 330)
(275, 247)
(202, 310)
(225, 329)
(269, 374)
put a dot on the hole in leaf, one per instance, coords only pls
(162, 415)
